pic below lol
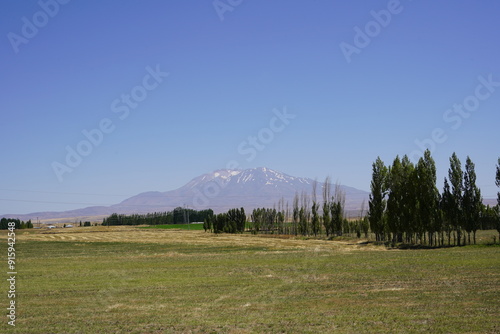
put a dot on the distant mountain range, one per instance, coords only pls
(225, 189)
(220, 190)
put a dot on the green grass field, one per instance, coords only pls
(131, 280)
(189, 227)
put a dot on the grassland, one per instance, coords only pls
(130, 280)
(189, 227)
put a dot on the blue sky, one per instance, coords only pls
(230, 70)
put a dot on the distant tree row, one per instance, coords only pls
(231, 222)
(177, 216)
(4, 223)
(406, 206)
(307, 217)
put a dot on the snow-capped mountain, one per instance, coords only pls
(225, 189)
(220, 190)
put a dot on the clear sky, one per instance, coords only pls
(350, 81)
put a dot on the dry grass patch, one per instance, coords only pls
(135, 235)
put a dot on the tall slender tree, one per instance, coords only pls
(304, 214)
(498, 183)
(326, 206)
(402, 203)
(337, 209)
(428, 194)
(365, 224)
(395, 202)
(456, 177)
(472, 201)
(410, 201)
(295, 214)
(446, 205)
(377, 200)
(315, 223)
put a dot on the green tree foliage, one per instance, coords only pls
(304, 215)
(497, 182)
(337, 210)
(19, 224)
(396, 201)
(456, 177)
(266, 221)
(362, 225)
(233, 221)
(446, 206)
(489, 218)
(236, 220)
(428, 198)
(415, 210)
(207, 223)
(377, 200)
(315, 221)
(219, 222)
(326, 207)
(178, 216)
(295, 215)
(472, 200)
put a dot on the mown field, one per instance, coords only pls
(131, 280)
(194, 227)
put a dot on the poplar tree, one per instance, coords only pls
(207, 224)
(377, 201)
(395, 201)
(498, 183)
(429, 214)
(337, 210)
(315, 223)
(446, 205)
(304, 214)
(295, 214)
(455, 176)
(472, 201)
(326, 206)
(410, 202)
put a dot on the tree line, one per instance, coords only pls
(233, 221)
(177, 216)
(308, 216)
(405, 204)
(4, 223)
